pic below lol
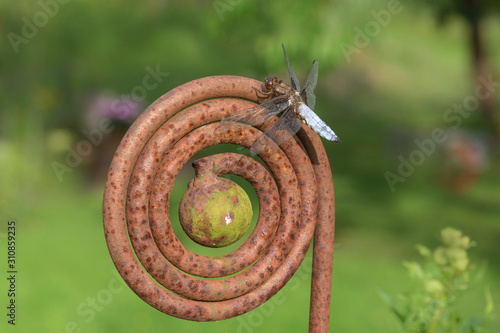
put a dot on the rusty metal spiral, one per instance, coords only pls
(295, 195)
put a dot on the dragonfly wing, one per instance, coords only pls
(312, 79)
(258, 114)
(309, 98)
(280, 132)
(276, 105)
(253, 116)
(294, 82)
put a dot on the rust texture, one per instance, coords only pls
(295, 193)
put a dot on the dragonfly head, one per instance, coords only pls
(270, 82)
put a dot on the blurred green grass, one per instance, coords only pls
(404, 80)
(64, 263)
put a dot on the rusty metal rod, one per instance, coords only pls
(321, 285)
(140, 238)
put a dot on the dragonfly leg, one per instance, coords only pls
(264, 95)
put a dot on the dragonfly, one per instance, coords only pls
(290, 104)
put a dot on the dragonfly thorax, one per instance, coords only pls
(277, 87)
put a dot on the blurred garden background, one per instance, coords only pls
(398, 82)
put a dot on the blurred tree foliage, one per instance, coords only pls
(55, 54)
(308, 31)
(87, 46)
(473, 12)
(469, 9)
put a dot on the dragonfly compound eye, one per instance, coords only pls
(270, 82)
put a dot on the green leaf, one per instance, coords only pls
(414, 269)
(424, 251)
(389, 300)
(490, 306)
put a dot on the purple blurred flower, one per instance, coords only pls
(123, 109)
